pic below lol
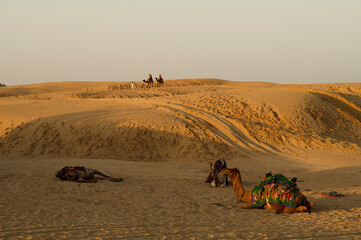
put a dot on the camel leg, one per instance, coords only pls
(81, 176)
(245, 205)
(116, 179)
(301, 209)
(87, 180)
(108, 177)
(279, 208)
(101, 174)
(295, 210)
(276, 208)
(289, 210)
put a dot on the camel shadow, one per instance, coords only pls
(347, 203)
(102, 134)
(345, 180)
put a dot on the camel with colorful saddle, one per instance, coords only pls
(275, 192)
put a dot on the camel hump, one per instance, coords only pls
(275, 189)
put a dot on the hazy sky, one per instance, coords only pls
(281, 41)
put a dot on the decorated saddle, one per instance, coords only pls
(275, 189)
(64, 172)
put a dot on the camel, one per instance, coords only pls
(82, 174)
(160, 81)
(149, 82)
(246, 195)
(215, 177)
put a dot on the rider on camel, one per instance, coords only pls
(150, 78)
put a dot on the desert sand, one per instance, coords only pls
(160, 140)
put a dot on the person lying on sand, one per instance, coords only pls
(82, 174)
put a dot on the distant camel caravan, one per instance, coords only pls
(274, 192)
(150, 81)
(82, 174)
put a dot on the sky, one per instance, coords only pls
(279, 41)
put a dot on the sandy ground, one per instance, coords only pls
(161, 140)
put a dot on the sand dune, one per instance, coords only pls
(203, 120)
(160, 139)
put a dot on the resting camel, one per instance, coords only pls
(246, 195)
(215, 178)
(82, 174)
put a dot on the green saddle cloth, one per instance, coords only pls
(275, 189)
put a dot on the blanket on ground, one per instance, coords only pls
(275, 189)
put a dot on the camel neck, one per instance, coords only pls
(238, 187)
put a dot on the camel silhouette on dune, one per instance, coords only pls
(149, 82)
(160, 81)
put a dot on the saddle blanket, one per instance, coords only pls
(275, 189)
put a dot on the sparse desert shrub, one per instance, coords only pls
(2, 85)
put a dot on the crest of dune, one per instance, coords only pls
(186, 119)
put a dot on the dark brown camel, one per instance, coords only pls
(160, 81)
(82, 174)
(148, 82)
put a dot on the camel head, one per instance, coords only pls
(58, 174)
(213, 167)
(306, 203)
(230, 172)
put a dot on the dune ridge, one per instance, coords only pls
(201, 119)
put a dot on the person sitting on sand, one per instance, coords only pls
(82, 174)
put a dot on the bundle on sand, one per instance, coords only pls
(332, 194)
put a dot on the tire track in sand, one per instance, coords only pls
(236, 136)
(345, 107)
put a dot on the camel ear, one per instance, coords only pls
(312, 204)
